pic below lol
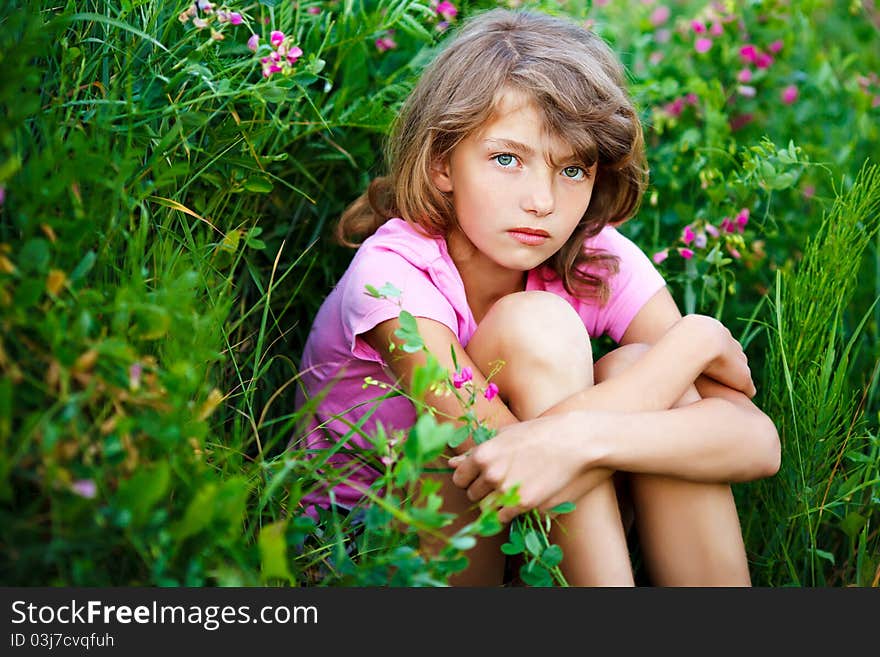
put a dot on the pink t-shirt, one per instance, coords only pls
(431, 287)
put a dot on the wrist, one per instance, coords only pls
(594, 439)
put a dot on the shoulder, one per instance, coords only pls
(397, 236)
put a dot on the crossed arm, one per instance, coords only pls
(621, 423)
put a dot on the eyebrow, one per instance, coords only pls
(513, 145)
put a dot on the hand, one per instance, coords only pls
(731, 365)
(544, 456)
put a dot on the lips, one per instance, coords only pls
(529, 236)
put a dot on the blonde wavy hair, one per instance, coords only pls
(577, 83)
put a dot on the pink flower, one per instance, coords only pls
(776, 46)
(205, 6)
(748, 53)
(314, 11)
(712, 230)
(700, 241)
(655, 58)
(687, 254)
(660, 256)
(85, 488)
(660, 15)
(699, 27)
(691, 99)
(789, 94)
(732, 251)
(688, 235)
(385, 43)
(134, 376)
(763, 60)
(293, 54)
(675, 107)
(2, 194)
(744, 75)
(809, 191)
(727, 225)
(703, 44)
(200, 23)
(253, 43)
(742, 219)
(740, 121)
(462, 377)
(235, 18)
(662, 36)
(276, 38)
(446, 9)
(746, 90)
(491, 391)
(717, 29)
(387, 460)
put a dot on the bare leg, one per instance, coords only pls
(689, 531)
(547, 358)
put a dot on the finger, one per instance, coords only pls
(508, 513)
(465, 471)
(479, 489)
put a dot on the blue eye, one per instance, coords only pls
(574, 173)
(504, 159)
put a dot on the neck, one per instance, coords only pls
(485, 281)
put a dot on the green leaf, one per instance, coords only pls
(273, 551)
(514, 544)
(463, 542)
(144, 490)
(533, 543)
(35, 255)
(389, 291)
(459, 436)
(822, 554)
(373, 292)
(565, 507)
(258, 184)
(551, 556)
(198, 513)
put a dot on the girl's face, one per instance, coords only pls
(512, 205)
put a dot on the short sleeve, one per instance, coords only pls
(635, 283)
(376, 266)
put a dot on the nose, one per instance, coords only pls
(538, 197)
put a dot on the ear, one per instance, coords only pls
(441, 174)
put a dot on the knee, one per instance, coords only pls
(539, 327)
(615, 362)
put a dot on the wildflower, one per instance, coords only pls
(446, 9)
(200, 23)
(727, 225)
(717, 29)
(712, 230)
(775, 47)
(700, 240)
(235, 18)
(314, 11)
(662, 36)
(491, 391)
(294, 54)
(660, 256)
(789, 94)
(688, 235)
(703, 45)
(2, 194)
(687, 254)
(205, 6)
(461, 377)
(134, 376)
(675, 107)
(691, 99)
(84, 488)
(763, 60)
(183, 17)
(732, 251)
(809, 192)
(660, 15)
(655, 58)
(748, 53)
(742, 219)
(740, 121)
(217, 36)
(387, 460)
(744, 76)
(385, 43)
(746, 90)
(253, 43)
(276, 38)
(699, 27)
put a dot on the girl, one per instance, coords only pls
(511, 162)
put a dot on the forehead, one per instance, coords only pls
(517, 117)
